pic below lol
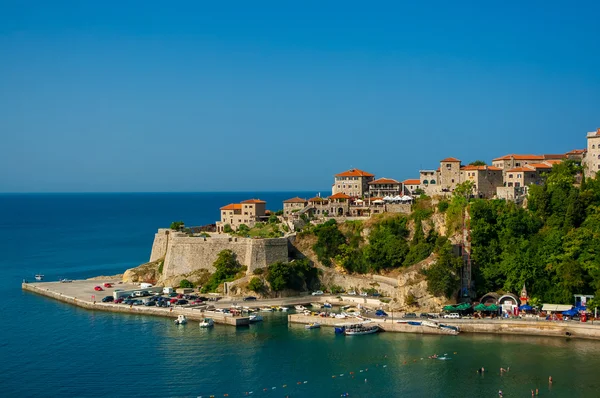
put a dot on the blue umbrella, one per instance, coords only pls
(571, 312)
(525, 307)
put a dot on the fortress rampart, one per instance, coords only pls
(184, 254)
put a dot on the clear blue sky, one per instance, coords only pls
(205, 96)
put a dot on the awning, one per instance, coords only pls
(570, 312)
(483, 307)
(556, 307)
(525, 307)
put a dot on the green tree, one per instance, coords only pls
(256, 285)
(464, 189)
(177, 225)
(443, 276)
(226, 268)
(227, 229)
(329, 240)
(478, 163)
(185, 284)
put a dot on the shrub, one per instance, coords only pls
(177, 225)
(256, 285)
(258, 271)
(443, 206)
(160, 266)
(185, 284)
(227, 229)
(410, 299)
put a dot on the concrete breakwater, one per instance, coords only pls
(53, 290)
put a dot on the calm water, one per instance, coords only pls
(52, 349)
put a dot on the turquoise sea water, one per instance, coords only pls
(53, 349)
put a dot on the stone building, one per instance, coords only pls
(511, 161)
(384, 187)
(410, 186)
(293, 205)
(248, 212)
(592, 157)
(486, 179)
(449, 174)
(428, 181)
(353, 182)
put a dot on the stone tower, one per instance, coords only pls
(592, 158)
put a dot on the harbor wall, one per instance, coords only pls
(184, 254)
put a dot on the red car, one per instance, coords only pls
(173, 300)
(119, 300)
(107, 285)
(98, 289)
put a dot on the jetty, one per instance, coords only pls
(82, 294)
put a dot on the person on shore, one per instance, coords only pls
(550, 379)
(500, 393)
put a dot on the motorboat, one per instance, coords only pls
(430, 324)
(284, 309)
(316, 305)
(360, 329)
(327, 305)
(313, 325)
(266, 309)
(255, 318)
(181, 320)
(39, 277)
(299, 307)
(207, 323)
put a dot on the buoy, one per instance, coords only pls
(333, 377)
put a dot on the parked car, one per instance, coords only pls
(352, 292)
(173, 300)
(172, 294)
(317, 293)
(202, 298)
(376, 294)
(364, 294)
(128, 301)
(410, 315)
(108, 299)
(162, 303)
(425, 315)
(182, 302)
(98, 288)
(119, 300)
(452, 315)
(107, 284)
(149, 303)
(250, 298)
(137, 302)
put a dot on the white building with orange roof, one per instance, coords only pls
(410, 186)
(353, 182)
(384, 187)
(248, 212)
(513, 160)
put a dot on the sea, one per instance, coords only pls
(49, 348)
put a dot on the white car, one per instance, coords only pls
(352, 293)
(452, 315)
(364, 294)
(317, 293)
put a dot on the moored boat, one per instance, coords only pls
(327, 305)
(360, 329)
(266, 309)
(181, 320)
(255, 318)
(430, 324)
(316, 305)
(284, 309)
(207, 323)
(299, 307)
(313, 325)
(39, 277)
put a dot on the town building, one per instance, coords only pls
(353, 182)
(449, 174)
(485, 179)
(248, 212)
(384, 187)
(592, 157)
(411, 186)
(293, 205)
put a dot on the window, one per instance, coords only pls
(425, 182)
(510, 184)
(453, 180)
(517, 164)
(510, 176)
(518, 175)
(356, 186)
(517, 184)
(432, 182)
(338, 187)
(448, 166)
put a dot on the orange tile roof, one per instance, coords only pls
(553, 161)
(375, 198)
(384, 180)
(491, 168)
(250, 201)
(411, 182)
(521, 169)
(317, 199)
(340, 195)
(520, 157)
(554, 156)
(450, 160)
(355, 173)
(576, 152)
(540, 165)
(232, 206)
(295, 200)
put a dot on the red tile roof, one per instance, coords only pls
(521, 169)
(251, 201)
(411, 182)
(491, 168)
(317, 199)
(576, 152)
(450, 160)
(295, 200)
(540, 165)
(355, 173)
(554, 156)
(340, 195)
(520, 157)
(553, 161)
(375, 198)
(232, 206)
(384, 180)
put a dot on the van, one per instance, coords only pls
(145, 285)
(167, 290)
(452, 315)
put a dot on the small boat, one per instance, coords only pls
(266, 309)
(414, 323)
(313, 325)
(340, 329)
(39, 277)
(327, 305)
(360, 329)
(345, 307)
(430, 324)
(255, 318)
(284, 309)
(299, 307)
(341, 316)
(317, 305)
(207, 323)
(181, 320)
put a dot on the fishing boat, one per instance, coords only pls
(414, 323)
(450, 329)
(316, 305)
(430, 324)
(360, 329)
(181, 320)
(299, 307)
(39, 277)
(313, 325)
(207, 323)
(327, 305)
(255, 318)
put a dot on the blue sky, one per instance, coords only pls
(194, 96)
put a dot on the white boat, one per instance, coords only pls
(327, 305)
(360, 329)
(299, 307)
(266, 309)
(181, 320)
(284, 309)
(430, 324)
(317, 305)
(207, 323)
(39, 277)
(255, 318)
(313, 325)
(341, 316)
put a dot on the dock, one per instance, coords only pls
(82, 294)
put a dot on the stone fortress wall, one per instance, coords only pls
(184, 254)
